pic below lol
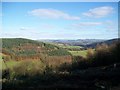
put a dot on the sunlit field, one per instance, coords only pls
(79, 53)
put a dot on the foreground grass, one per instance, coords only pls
(8, 64)
(11, 64)
(27, 74)
(0, 62)
(87, 79)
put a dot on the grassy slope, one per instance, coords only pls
(10, 44)
(0, 61)
(88, 79)
(8, 64)
(11, 64)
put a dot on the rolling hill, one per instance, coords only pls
(107, 42)
(78, 42)
(20, 49)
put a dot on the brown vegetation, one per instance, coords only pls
(99, 71)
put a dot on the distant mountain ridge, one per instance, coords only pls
(78, 42)
(107, 42)
(86, 43)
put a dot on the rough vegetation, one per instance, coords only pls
(100, 70)
(23, 49)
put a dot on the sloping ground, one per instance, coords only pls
(107, 42)
(25, 49)
(101, 75)
(96, 78)
(19, 46)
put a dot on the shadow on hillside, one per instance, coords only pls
(100, 71)
(92, 78)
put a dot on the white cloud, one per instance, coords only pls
(23, 28)
(99, 12)
(27, 29)
(83, 24)
(52, 13)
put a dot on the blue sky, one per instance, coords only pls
(60, 0)
(60, 20)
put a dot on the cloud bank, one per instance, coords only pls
(99, 12)
(88, 24)
(53, 14)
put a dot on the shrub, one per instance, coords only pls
(106, 55)
(102, 48)
(90, 53)
(6, 58)
(56, 61)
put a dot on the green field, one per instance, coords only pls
(66, 46)
(9, 64)
(70, 47)
(79, 53)
(28, 64)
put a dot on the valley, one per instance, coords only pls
(59, 45)
(27, 62)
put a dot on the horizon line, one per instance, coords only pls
(58, 38)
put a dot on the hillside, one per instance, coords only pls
(83, 43)
(107, 42)
(99, 71)
(78, 42)
(20, 48)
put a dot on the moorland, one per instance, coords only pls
(84, 64)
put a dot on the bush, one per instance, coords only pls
(6, 58)
(56, 61)
(106, 55)
(90, 53)
(103, 55)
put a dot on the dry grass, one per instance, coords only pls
(57, 60)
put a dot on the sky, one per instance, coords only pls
(60, 0)
(59, 20)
